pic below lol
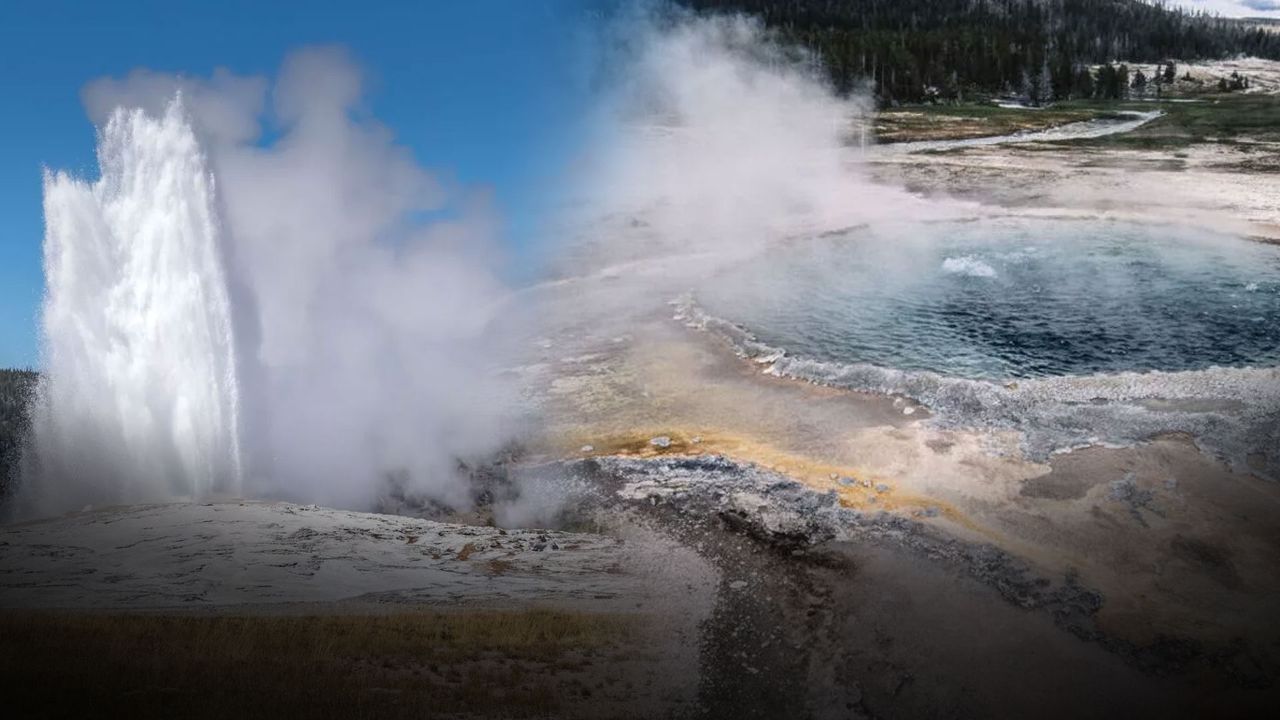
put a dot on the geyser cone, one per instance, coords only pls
(138, 400)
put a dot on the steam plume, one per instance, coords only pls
(283, 318)
(717, 139)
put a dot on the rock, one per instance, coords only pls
(908, 410)
(737, 584)
(696, 440)
(846, 481)
(1127, 492)
(882, 488)
(587, 448)
(662, 441)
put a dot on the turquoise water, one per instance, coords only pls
(1013, 298)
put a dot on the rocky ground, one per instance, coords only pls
(593, 628)
(208, 556)
(1201, 185)
(832, 612)
(956, 569)
(749, 594)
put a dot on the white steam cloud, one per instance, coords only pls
(301, 318)
(716, 139)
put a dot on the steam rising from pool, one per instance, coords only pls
(716, 140)
(729, 176)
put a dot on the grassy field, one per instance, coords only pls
(1229, 118)
(1233, 118)
(491, 664)
(957, 122)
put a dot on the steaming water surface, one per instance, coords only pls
(1002, 299)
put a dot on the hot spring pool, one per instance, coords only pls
(1013, 298)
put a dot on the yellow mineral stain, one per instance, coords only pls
(815, 473)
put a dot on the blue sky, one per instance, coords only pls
(488, 90)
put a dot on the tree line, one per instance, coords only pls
(917, 50)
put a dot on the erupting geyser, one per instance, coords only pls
(312, 318)
(138, 399)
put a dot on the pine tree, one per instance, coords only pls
(966, 47)
(1139, 81)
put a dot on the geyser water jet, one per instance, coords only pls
(138, 398)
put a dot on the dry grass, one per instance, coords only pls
(488, 664)
(959, 122)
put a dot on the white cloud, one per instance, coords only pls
(1234, 8)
